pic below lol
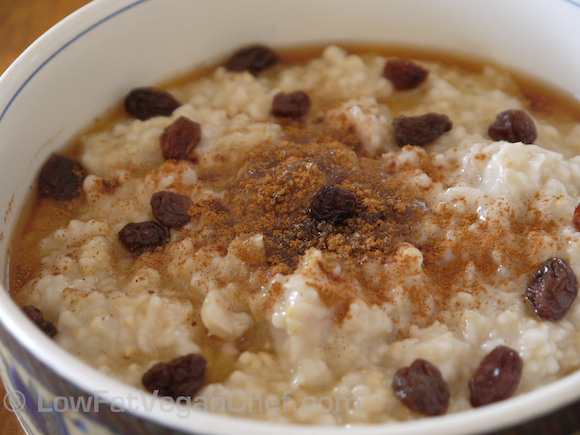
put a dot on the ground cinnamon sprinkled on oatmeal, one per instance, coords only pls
(271, 193)
(485, 247)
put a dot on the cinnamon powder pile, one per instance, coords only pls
(270, 196)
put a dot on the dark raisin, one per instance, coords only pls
(420, 130)
(576, 218)
(513, 126)
(254, 59)
(295, 105)
(332, 204)
(37, 317)
(145, 103)
(143, 236)
(182, 377)
(552, 289)
(404, 74)
(496, 377)
(421, 388)
(180, 138)
(171, 208)
(61, 178)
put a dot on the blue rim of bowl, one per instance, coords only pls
(62, 48)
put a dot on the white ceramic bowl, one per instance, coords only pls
(82, 67)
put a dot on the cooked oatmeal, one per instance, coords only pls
(319, 232)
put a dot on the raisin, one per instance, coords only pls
(421, 388)
(496, 377)
(61, 178)
(295, 105)
(183, 376)
(513, 126)
(404, 74)
(143, 236)
(254, 59)
(576, 218)
(420, 130)
(171, 208)
(552, 289)
(145, 103)
(37, 317)
(332, 204)
(180, 138)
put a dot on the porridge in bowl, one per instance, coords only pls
(350, 239)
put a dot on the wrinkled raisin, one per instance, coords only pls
(294, 105)
(37, 317)
(61, 178)
(513, 126)
(171, 208)
(180, 138)
(420, 130)
(332, 204)
(576, 218)
(404, 74)
(496, 377)
(254, 59)
(552, 289)
(145, 103)
(421, 388)
(143, 236)
(182, 377)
